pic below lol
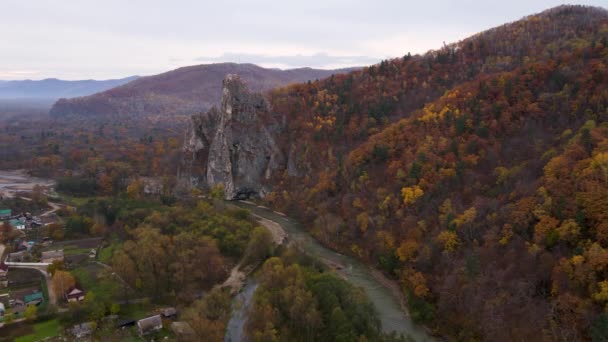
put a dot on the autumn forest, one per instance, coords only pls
(474, 177)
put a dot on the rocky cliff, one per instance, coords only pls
(234, 144)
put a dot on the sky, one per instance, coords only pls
(103, 39)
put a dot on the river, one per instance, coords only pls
(385, 301)
(240, 306)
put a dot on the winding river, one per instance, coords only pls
(386, 302)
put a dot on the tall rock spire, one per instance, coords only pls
(236, 142)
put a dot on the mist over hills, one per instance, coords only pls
(52, 88)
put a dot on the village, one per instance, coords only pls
(43, 279)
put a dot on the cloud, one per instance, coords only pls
(317, 60)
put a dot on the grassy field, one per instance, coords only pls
(75, 201)
(42, 330)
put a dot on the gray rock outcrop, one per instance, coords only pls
(234, 144)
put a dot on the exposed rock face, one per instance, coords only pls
(235, 144)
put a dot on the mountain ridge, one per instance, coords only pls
(181, 91)
(53, 88)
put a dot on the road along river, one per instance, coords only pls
(382, 293)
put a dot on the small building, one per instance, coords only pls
(17, 224)
(18, 307)
(5, 214)
(25, 245)
(3, 269)
(35, 298)
(169, 312)
(83, 330)
(124, 323)
(17, 256)
(93, 253)
(3, 274)
(50, 256)
(183, 331)
(149, 325)
(74, 295)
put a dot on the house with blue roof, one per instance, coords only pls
(35, 298)
(5, 214)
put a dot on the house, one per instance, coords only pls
(168, 312)
(149, 325)
(50, 256)
(74, 295)
(18, 307)
(5, 214)
(35, 298)
(128, 322)
(183, 331)
(25, 245)
(83, 330)
(17, 224)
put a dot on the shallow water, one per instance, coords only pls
(387, 305)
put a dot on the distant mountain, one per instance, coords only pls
(52, 88)
(182, 91)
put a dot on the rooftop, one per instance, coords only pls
(74, 291)
(167, 312)
(149, 323)
(52, 254)
(33, 297)
(182, 328)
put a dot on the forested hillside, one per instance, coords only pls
(476, 174)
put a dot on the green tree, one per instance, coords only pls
(30, 313)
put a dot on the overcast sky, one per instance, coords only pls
(81, 39)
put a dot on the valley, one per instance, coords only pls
(392, 315)
(454, 194)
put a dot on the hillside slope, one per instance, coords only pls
(476, 175)
(182, 91)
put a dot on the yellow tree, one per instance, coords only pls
(407, 250)
(62, 282)
(410, 194)
(135, 189)
(600, 162)
(105, 184)
(449, 240)
(31, 312)
(418, 284)
(544, 229)
(466, 217)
